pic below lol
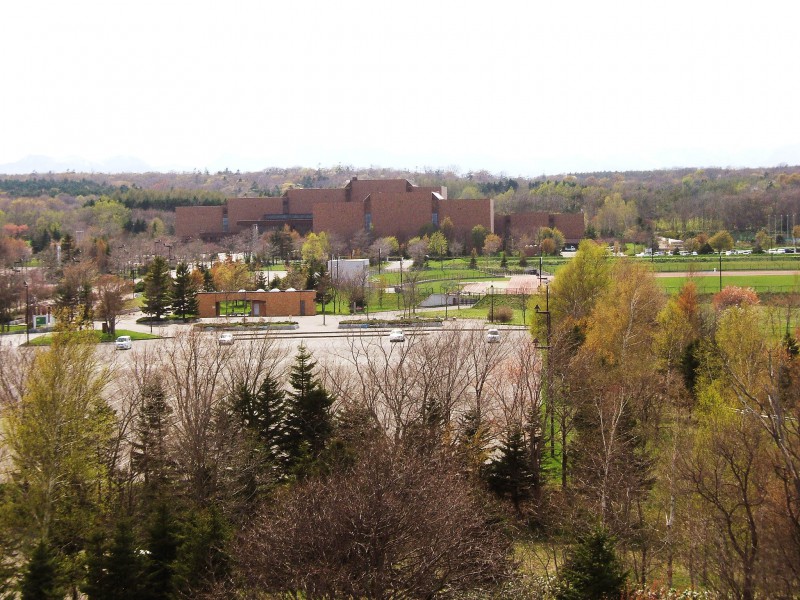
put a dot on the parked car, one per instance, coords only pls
(397, 335)
(123, 342)
(225, 339)
(493, 336)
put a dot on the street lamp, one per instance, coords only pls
(540, 267)
(549, 412)
(720, 270)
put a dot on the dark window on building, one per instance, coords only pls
(368, 221)
(225, 224)
(435, 219)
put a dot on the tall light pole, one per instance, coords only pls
(720, 270)
(549, 412)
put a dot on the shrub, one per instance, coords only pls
(502, 314)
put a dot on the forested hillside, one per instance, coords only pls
(676, 202)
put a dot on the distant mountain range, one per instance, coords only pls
(47, 164)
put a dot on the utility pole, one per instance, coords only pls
(549, 409)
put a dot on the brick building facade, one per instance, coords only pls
(298, 303)
(384, 207)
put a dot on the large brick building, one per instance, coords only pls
(383, 207)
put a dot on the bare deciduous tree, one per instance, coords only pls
(400, 523)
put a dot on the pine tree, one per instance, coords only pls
(149, 456)
(510, 473)
(474, 439)
(309, 419)
(202, 555)
(40, 581)
(593, 572)
(185, 295)
(158, 288)
(162, 549)
(115, 573)
(208, 279)
(265, 413)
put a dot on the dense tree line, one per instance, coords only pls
(51, 186)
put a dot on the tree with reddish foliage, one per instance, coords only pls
(734, 296)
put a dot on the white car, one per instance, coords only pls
(225, 339)
(123, 342)
(493, 336)
(397, 335)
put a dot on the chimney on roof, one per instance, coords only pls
(354, 178)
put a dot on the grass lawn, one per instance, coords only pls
(46, 340)
(710, 285)
(480, 310)
(13, 329)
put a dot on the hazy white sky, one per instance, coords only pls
(521, 88)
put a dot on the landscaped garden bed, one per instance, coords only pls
(389, 323)
(249, 326)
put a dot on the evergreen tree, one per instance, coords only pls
(67, 248)
(593, 572)
(510, 474)
(208, 279)
(149, 456)
(158, 288)
(474, 439)
(265, 414)
(202, 555)
(115, 573)
(309, 418)
(261, 280)
(185, 294)
(40, 581)
(162, 549)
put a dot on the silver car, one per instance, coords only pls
(493, 336)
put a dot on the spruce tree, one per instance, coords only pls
(593, 572)
(185, 294)
(202, 555)
(309, 419)
(474, 439)
(40, 581)
(149, 455)
(115, 573)
(162, 546)
(264, 414)
(509, 474)
(158, 288)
